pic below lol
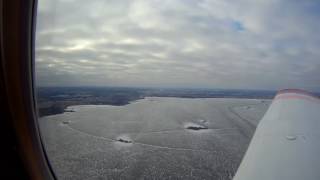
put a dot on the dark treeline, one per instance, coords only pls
(54, 100)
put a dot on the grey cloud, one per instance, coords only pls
(218, 44)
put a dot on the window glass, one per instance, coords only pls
(150, 89)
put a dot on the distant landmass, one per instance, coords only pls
(55, 100)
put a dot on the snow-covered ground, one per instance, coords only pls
(153, 138)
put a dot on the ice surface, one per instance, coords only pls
(151, 139)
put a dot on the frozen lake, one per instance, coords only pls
(152, 138)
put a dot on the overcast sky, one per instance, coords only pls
(245, 44)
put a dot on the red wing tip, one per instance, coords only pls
(296, 91)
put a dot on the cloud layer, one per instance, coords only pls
(247, 44)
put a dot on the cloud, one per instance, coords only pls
(208, 43)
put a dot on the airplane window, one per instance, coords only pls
(150, 89)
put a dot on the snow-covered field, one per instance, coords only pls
(153, 138)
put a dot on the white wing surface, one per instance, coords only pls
(286, 144)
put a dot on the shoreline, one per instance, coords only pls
(61, 107)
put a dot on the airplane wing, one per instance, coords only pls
(286, 144)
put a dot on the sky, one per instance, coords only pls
(229, 44)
